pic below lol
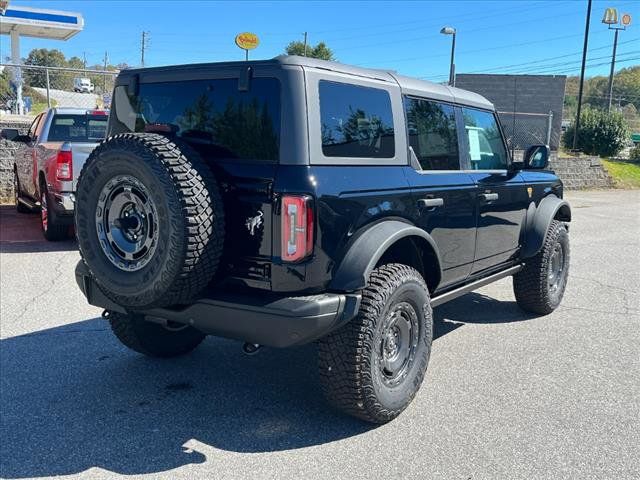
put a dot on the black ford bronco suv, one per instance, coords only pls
(295, 200)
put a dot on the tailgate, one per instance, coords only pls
(80, 152)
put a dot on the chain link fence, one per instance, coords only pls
(44, 87)
(524, 129)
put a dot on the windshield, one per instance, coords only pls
(214, 114)
(78, 128)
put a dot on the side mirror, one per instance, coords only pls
(537, 157)
(9, 133)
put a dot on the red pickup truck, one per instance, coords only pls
(49, 160)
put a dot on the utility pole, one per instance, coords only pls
(584, 59)
(143, 46)
(84, 60)
(104, 75)
(305, 44)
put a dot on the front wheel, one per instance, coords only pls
(154, 339)
(372, 367)
(539, 286)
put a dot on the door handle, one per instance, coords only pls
(489, 197)
(431, 202)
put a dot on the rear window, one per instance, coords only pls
(77, 128)
(232, 123)
(356, 121)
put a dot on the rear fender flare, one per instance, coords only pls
(369, 247)
(539, 220)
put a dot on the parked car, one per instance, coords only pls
(47, 165)
(296, 200)
(83, 85)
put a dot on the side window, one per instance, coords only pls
(486, 148)
(432, 134)
(356, 121)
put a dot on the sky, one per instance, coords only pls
(504, 36)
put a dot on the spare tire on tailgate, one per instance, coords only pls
(149, 220)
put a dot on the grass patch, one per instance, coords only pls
(625, 174)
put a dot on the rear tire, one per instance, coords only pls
(51, 228)
(539, 286)
(153, 339)
(372, 367)
(149, 220)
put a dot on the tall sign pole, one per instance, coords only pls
(584, 59)
(247, 41)
(611, 19)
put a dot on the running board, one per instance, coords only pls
(29, 204)
(458, 292)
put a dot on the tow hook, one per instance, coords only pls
(251, 348)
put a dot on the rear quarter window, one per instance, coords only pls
(213, 114)
(355, 121)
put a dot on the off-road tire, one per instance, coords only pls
(190, 219)
(20, 207)
(52, 230)
(153, 339)
(531, 284)
(349, 357)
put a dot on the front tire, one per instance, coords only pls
(372, 367)
(154, 339)
(539, 286)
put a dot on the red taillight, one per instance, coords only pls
(64, 166)
(297, 227)
(97, 112)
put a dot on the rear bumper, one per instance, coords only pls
(264, 319)
(62, 207)
(65, 202)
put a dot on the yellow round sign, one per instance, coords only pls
(247, 40)
(626, 19)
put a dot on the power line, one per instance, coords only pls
(554, 66)
(485, 49)
(509, 67)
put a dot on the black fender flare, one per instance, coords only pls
(365, 251)
(539, 219)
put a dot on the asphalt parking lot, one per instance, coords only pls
(507, 395)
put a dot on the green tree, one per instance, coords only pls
(626, 94)
(320, 50)
(601, 133)
(6, 92)
(45, 58)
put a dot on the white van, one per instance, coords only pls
(82, 85)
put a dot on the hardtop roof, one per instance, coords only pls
(408, 85)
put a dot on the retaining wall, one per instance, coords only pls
(7, 153)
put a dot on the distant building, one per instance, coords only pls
(531, 97)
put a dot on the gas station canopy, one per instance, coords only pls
(39, 22)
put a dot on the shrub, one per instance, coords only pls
(601, 133)
(634, 154)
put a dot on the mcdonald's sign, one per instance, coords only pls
(610, 16)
